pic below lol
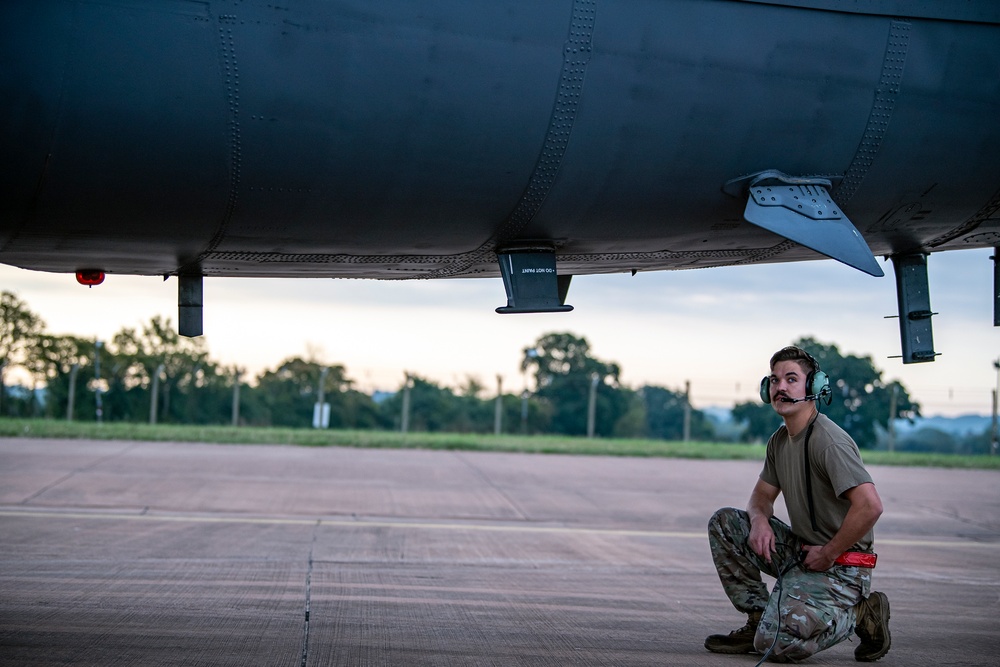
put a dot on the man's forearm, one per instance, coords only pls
(866, 508)
(760, 508)
(857, 523)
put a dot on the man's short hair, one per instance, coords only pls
(792, 353)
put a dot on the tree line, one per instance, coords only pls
(150, 372)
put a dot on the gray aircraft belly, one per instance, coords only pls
(414, 139)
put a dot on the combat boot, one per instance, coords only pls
(737, 641)
(872, 627)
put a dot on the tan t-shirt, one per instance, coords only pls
(835, 466)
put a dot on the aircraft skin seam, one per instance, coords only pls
(749, 255)
(768, 253)
(576, 56)
(883, 105)
(231, 81)
(941, 10)
(320, 258)
(983, 214)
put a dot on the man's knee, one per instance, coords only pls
(727, 523)
(798, 635)
(726, 516)
(787, 648)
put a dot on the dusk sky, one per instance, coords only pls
(714, 327)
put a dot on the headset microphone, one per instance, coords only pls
(813, 397)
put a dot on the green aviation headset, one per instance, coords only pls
(817, 383)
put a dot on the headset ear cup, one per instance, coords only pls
(820, 384)
(765, 390)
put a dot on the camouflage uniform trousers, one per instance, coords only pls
(809, 611)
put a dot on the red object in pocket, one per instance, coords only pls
(857, 559)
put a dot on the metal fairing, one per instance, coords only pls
(415, 139)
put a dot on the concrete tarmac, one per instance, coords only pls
(137, 553)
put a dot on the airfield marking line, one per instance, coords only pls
(344, 523)
(424, 525)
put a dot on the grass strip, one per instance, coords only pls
(540, 444)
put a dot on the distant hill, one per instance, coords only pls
(957, 426)
(961, 426)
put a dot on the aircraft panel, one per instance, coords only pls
(923, 184)
(429, 139)
(668, 149)
(101, 154)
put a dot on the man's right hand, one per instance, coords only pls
(762, 539)
(761, 509)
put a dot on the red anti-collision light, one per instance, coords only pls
(90, 277)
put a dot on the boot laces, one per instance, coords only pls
(750, 628)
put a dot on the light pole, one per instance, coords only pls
(154, 401)
(72, 391)
(237, 375)
(97, 381)
(524, 412)
(530, 353)
(686, 433)
(995, 432)
(595, 378)
(321, 411)
(498, 411)
(405, 419)
(892, 417)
